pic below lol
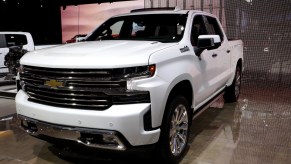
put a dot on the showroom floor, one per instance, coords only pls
(255, 130)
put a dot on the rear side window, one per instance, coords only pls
(15, 40)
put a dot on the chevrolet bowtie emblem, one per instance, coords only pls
(54, 83)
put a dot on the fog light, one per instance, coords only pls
(109, 139)
(113, 140)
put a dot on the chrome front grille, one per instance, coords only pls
(79, 88)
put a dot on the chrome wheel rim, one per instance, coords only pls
(178, 130)
(237, 83)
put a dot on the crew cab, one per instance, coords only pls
(137, 80)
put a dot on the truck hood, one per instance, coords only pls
(95, 54)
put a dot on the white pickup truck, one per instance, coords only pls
(137, 80)
(8, 39)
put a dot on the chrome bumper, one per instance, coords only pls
(103, 139)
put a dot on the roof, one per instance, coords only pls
(81, 2)
(13, 32)
(145, 11)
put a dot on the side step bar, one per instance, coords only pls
(207, 105)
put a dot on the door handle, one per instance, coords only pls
(214, 55)
(228, 51)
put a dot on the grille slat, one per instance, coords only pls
(32, 79)
(38, 94)
(71, 78)
(103, 84)
(95, 89)
(62, 104)
(68, 94)
(67, 72)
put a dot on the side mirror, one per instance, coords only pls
(208, 42)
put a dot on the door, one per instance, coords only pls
(206, 63)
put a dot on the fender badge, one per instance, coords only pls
(54, 83)
(184, 49)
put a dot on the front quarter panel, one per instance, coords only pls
(173, 66)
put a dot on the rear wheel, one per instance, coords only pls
(175, 131)
(233, 91)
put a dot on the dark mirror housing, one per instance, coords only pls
(209, 42)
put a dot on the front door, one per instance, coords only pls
(221, 55)
(206, 63)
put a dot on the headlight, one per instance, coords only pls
(140, 72)
(136, 72)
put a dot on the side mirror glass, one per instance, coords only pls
(208, 42)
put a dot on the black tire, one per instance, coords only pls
(233, 91)
(180, 131)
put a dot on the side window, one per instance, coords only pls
(213, 27)
(15, 40)
(198, 28)
(111, 32)
(2, 41)
(116, 28)
(137, 29)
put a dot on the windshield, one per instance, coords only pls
(152, 27)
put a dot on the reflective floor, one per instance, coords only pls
(255, 130)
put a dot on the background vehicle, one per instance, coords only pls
(76, 38)
(137, 80)
(13, 39)
(9, 39)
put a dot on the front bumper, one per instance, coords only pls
(126, 120)
(95, 138)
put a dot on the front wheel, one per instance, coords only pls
(175, 130)
(233, 91)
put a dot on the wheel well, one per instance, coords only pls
(182, 88)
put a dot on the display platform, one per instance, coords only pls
(7, 89)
